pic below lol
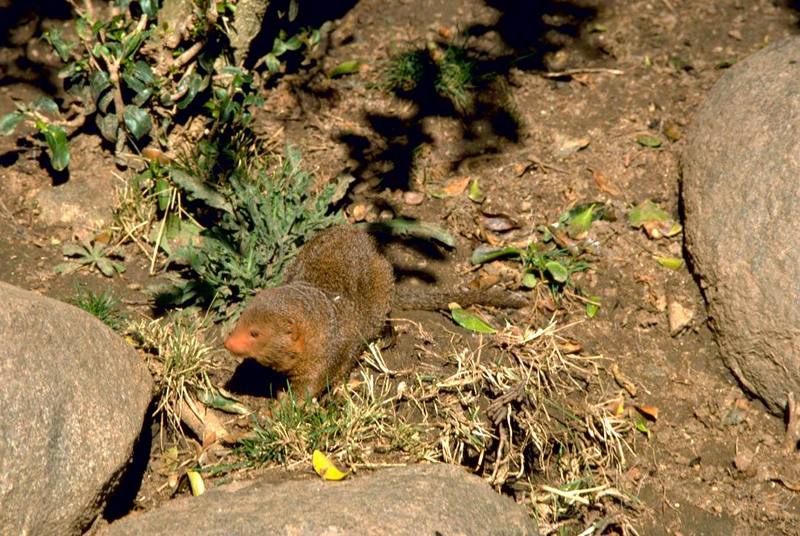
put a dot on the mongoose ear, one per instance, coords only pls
(297, 337)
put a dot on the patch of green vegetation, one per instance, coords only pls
(343, 422)
(448, 72)
(405, 71)
(264, 218)
(456, 77)
(101, 305)
(92, 255)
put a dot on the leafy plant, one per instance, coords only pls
(101, 305)
(91, 254)
(49, 129)
(264, 219)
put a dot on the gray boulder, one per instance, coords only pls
(741, 194)
(416, 500)
(74, 397)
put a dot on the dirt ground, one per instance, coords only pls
(628, 68)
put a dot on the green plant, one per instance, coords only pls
(91, 254)
(265, 217)
(101, 305)
(36, 113)
(448, 72)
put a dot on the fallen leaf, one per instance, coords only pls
(469, 321)
(592, 306)
(499, 223)
(475, 194)
(567, 146)
(602, 182)
(346, 67)
(196, 483)
(455, 187)
(672, 131)
(325, 468)
(649, 412)
(656, 221)
(647, 140)
(623, 380)
(673, 263)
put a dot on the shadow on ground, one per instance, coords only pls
(453, 79)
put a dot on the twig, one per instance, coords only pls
(585, 70)
(792, 436)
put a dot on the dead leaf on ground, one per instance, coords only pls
(455, 187)
(679, 318)
(603, 183)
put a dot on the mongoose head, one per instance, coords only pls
(268, 332)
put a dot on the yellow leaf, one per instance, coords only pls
(196, 483)
(325, 468)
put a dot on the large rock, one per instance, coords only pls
(741, 193)
(73, 396)
(422, 499)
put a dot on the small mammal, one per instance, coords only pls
(335, 298)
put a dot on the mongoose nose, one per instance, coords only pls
(231, 344)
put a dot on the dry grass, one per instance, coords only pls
(519, 409)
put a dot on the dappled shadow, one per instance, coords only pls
(449, 79)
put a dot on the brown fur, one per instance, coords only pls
(335, 298)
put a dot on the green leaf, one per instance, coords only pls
(142, 71)
(580, 222)
(475, 194)
(132, 43)
(57, 142)
(673, 263)
(193, 83)
(61, 47)
(137, 121)
(646, 211)
(294, 43)
(483, 254)
(592, 306)
(163, 193)
(416, 229)
(196, 189)
(557, 271)
(98, 83)
(346, 67)
(106, 267)
(9, 122)
(45, 104)
(221, 402)
(73, 250)
(529, 280)
(272, 62)
(646, 140)
(108, 126)
(149, 8)
(469, 321)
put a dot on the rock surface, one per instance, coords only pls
(741, 188)
(415, 500)
(74, 396)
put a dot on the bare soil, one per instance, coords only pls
(633, 67)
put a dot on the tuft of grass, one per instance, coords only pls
(350, 424)
(405, 71)
(449, 72)
(178, 359)
(101, 305)
(456, 78)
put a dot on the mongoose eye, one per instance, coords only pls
(254, 333)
